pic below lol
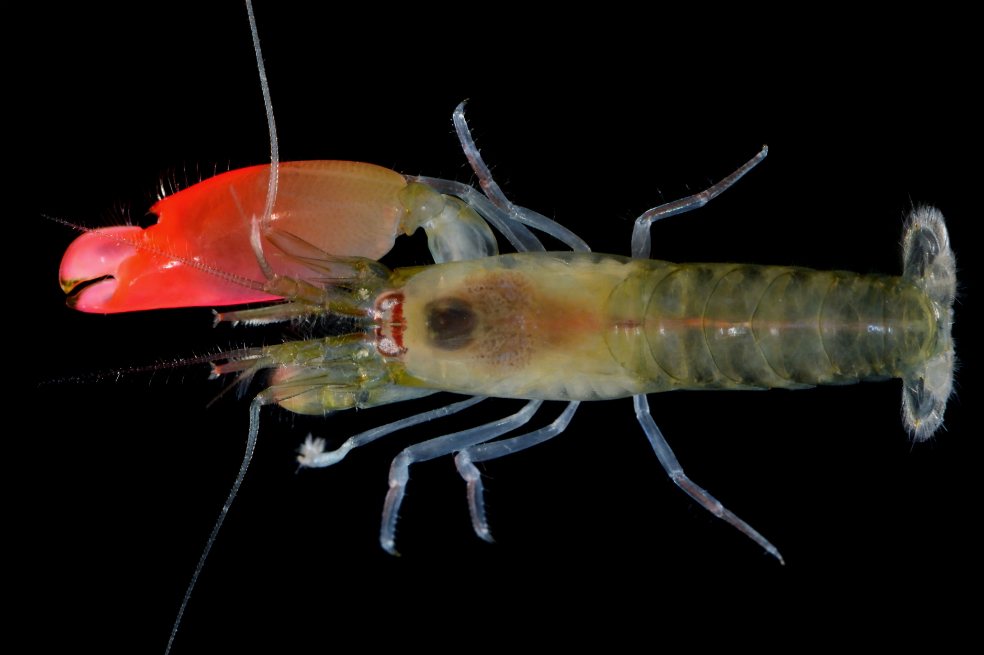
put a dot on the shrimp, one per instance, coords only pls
(336, 515)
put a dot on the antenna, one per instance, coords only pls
(254, 408)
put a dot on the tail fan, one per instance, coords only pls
(930, 264)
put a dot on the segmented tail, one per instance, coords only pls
(930, 264)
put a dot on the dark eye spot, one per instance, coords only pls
(450, 323)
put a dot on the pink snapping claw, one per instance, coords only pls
(342, 208)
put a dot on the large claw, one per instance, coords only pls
(343, 208)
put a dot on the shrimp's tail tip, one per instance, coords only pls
(930, 263)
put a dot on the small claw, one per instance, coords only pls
(310, 450)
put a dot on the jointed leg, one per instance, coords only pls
(492, 190)
(312, 451)
(254, 426)
(522, 239)
(640, 233)
(484, 452)
(510, 219)
(399, 473)
(640, 250)
(675, 471)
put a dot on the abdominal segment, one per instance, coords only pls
(734, 326)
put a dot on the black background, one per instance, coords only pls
(589, 114)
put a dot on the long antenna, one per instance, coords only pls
(271, 124)
(254, 408)
(240, 354)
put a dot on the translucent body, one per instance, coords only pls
(583, 326)
(529, 325)
(729, 326)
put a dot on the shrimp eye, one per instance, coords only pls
(450, 323)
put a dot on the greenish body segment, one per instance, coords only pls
(730, 326)
(584, 326)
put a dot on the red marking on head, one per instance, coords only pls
(390, 324)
